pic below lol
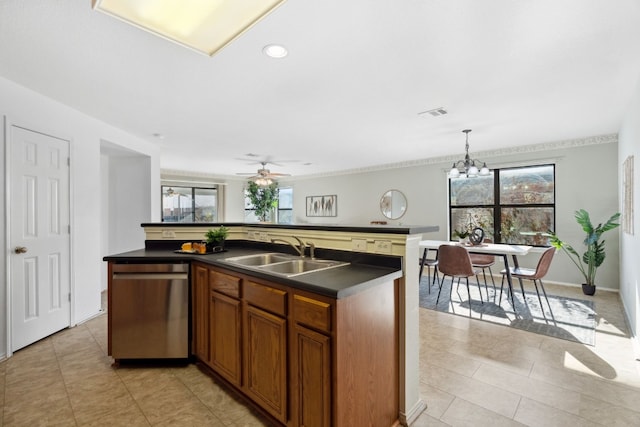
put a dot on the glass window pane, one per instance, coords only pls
(285, 198)
(470, 218)
(526, 226)
(250, 216)
(206, 208)
(531, 185)
(177, 204)
(284, 210)
(472, 191)
(285, 216)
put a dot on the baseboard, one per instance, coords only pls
(406, 419)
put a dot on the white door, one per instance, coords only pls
(39, 236)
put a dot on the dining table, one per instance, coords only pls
(496, 249)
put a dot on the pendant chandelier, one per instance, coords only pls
(468, 167)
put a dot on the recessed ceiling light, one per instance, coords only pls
(158, 135)
(275, 51)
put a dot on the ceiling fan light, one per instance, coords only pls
(262, 181)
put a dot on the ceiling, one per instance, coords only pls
(349, 94)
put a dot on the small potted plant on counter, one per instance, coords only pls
(215, 238)
(594, 256)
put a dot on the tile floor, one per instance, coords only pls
(473, 373)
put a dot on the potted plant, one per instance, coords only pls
(594, 255)
(461, 235)
(263, 199)
(216, 237)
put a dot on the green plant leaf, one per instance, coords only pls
(595, 254)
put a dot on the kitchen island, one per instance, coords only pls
(320, 348)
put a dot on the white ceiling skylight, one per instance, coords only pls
(205, 26)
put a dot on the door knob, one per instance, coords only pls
(20, 249)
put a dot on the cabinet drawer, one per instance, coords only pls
(270, 299)
(225, 284)
(313, 313)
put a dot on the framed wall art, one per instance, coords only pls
(322, 205)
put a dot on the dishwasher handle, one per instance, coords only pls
(150, 276)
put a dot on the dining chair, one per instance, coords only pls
(484, 262)
(430, 263)
(534, 275)
(454, 261)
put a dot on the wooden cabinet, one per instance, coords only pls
(311, 361)
(225, 326)
(265, 344)
(312, 378)
(225, 337)
(200, 312)
(307, 360)
(266, 360)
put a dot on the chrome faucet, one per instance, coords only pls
(300, 249)
(312, 250)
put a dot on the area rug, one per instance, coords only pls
(567, 318)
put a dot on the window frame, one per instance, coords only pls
(497, 206)
(193, 188)
(248, 207)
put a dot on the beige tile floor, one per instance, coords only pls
(473, 373)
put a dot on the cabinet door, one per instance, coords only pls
(312, 382)
(225, 336)
(201, 312)
(265, 348)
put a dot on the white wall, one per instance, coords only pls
(629, 145)
(586, 177)
(31, 110)
(125, 201)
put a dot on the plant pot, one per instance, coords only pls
(588, 289)
(215, 246)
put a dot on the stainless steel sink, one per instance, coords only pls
(260, 259)
(284, 265)
(300, 266)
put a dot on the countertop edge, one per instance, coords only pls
(354, 279)
(374, 228)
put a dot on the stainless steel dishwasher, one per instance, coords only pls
(149, 305)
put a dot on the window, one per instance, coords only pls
(284, 211)
(189, 204)
(285, 206)
(512, 205)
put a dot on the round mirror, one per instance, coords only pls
(393, 204)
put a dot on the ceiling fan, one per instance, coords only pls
(264, 176)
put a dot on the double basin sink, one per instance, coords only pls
(282, 264)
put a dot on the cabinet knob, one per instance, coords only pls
(20, 250)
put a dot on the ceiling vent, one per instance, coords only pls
(436, 112)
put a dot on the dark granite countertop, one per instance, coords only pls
(339, 282)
